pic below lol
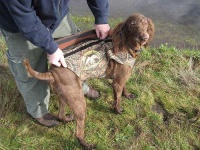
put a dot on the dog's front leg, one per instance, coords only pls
(117, 89)
(126, 94)
(120, 76)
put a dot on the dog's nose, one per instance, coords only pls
(144, 37)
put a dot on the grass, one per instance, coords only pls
(165, 114)
(177, 34)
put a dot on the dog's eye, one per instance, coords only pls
(144, 21)
(133, 23)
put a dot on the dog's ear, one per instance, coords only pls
(110, 32)
(118, 29)
(150, 30)
(116, 34)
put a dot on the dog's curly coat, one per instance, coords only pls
(128, 36)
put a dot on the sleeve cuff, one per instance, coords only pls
(101, 20)
(52, 48)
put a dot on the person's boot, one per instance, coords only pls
(92, 94)
(48, 120)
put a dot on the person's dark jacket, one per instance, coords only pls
(37, 19)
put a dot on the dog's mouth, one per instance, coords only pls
(142, 43)
(143, 38)
(138, 41)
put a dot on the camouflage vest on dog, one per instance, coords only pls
(90, 59)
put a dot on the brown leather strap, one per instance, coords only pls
(76, 38)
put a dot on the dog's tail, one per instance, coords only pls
(41, 76)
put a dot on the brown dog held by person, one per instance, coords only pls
(120, 51)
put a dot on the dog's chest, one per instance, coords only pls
(87, 59)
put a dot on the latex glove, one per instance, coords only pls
(102, 30)
(57, 58)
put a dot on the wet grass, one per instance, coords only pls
(164, 115)
(87, 22)
(178, 35)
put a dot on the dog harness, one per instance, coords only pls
(90, 59)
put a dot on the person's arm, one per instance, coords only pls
(32, 28)
(100, 10)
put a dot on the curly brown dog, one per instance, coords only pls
(128, 37)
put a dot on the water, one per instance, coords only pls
(177, 22)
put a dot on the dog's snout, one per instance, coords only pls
(144, 37)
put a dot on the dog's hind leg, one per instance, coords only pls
(61, 115)
(78, 106)
(72, 94)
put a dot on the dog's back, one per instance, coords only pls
(88, 59)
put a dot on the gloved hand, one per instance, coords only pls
(102, 30)
(57, 58)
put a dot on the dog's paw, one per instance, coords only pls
(130, 96)
(66, 118)
(86, 145)
(118, 110)
(90, 146)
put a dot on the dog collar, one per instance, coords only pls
(121, 57)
